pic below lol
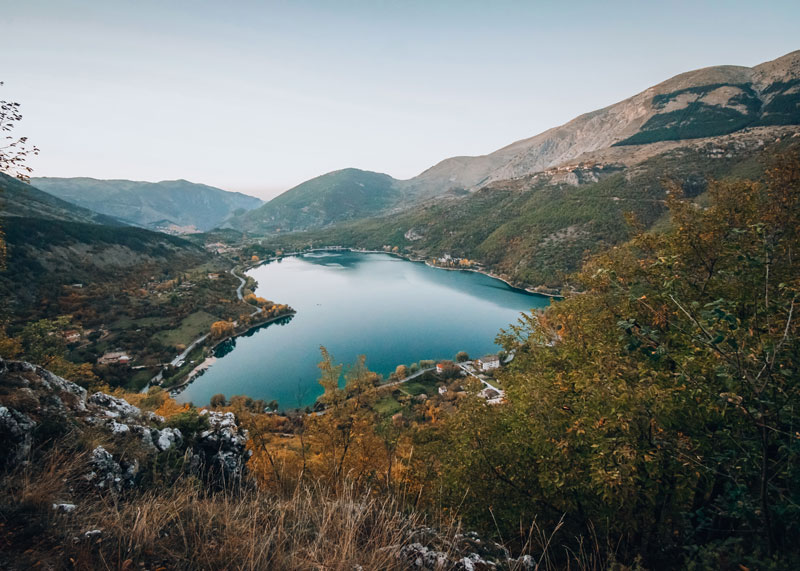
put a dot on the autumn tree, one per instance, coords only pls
(221, 329)
(344, 429)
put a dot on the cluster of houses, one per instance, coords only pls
(486, 363)
(113, 358)
(448, 261)
(219, 248)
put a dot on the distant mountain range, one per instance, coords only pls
(176, 206)
(705, 103)
(18, 199)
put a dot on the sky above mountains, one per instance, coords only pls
(260, 96)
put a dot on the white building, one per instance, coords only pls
(488, 362)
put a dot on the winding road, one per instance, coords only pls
(178, 361)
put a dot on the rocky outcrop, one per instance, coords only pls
(463, 552)
(16, 429)
(221, 449)
(108, 474)
(34, 400)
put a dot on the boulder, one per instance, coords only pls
(109, 475)
(220, 451)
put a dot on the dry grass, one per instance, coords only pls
(180, 525)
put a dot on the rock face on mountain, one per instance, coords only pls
(701, 103)
(176, 205)
(36, 405)
(704, 103)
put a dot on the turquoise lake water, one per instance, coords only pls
(389, 309)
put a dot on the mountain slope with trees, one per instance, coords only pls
(704, 103)
(24, 200)
(536, 230)
(334, 197)
(154, 205)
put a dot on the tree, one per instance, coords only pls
(13, 154)
(658, 408)
(220, 329)
(217, 401)
(13, 151)
(462, 356)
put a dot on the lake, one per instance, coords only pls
(392, 310)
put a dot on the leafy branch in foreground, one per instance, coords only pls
(14, 151)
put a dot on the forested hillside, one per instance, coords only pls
(536, 230)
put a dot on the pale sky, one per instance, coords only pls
(260, 96)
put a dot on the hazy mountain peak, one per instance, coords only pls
(705, 102)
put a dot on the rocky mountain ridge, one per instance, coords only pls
(735, 97)
(704, 103)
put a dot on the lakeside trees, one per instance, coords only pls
(665, 416)
(657, 410)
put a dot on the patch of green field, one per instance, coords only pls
(152, 321)
(192, 327)
(141, 378)
(425, 384)
(387, 406)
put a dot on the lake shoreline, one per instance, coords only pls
(409, 258)
(447, 313)
(210, 359)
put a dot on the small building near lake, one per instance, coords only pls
(488, 362)
(113, 357)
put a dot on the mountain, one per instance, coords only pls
(535, 230)
(703, 103)
(52, 243)
(46, 255)
(176, 206)
(18, 199)
(338, 196)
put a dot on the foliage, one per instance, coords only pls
(660, 407)
(222, 329)
(13, 151)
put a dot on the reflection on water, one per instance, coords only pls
(392, 310)
(229, 345)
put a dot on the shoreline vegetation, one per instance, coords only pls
(183, 380)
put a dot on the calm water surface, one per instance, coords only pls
(391, 310)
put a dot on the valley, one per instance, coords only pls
(580, 350)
